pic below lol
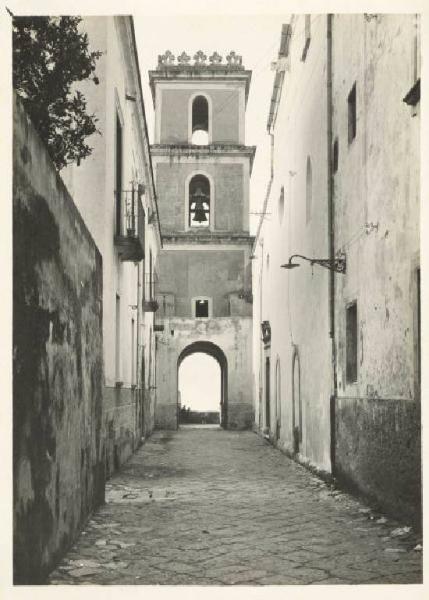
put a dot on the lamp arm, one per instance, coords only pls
(337, 264)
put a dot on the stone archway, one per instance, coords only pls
(215, 352)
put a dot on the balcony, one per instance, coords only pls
(130, 225)
(150, 304)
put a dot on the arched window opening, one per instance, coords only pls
(308, 191)
(199, 404)
(199, 201)
(200, 121)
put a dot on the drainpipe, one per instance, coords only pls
(261, 220)
(331, 233)
(261, 349)
(267, 194)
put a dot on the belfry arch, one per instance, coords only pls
(211, 349)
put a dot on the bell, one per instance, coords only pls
(199, 211)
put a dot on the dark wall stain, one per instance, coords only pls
(57, 345)
(378, 453)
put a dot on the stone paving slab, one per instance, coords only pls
(204, 506)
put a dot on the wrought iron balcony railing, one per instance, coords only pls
(150, 303)
(130, 224)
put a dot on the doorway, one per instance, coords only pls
(296, 403)
(202, 386)
(278, 400)
(267, 394)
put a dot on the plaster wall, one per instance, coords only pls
(377, 223)
(216, 274)
(233, 335)
(377, 202)
(92, 184)
(296, 302)
(58, 440)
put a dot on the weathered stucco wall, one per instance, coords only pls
(128, 403)
(234, 338)
(296, 302)
(376, 196)
(58, 446)
(217, 274)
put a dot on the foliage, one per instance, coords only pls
(49, 56)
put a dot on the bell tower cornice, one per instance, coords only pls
(202, 69)
(181, 152)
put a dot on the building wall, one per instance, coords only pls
(233, 335)
(175, 112)
(228, 181)
(92, 183)
(373, 428)
(296, 302)
(376, 192)
(58, 440)
(216, 274)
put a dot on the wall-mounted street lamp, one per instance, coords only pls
(337, 264)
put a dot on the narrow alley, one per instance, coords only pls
(206, 506)
(216, 337)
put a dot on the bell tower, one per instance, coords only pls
(202, 170)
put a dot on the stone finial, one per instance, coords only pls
(183, 59)
(233, 59)
(166, 59)
(215, 58)
(200, 58)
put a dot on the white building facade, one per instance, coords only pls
(114, 191)
(336, 267)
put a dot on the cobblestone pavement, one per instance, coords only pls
(207, 506)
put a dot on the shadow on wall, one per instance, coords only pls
(58, 446)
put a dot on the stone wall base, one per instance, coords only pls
(378, 453)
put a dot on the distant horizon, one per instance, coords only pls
(200, 372)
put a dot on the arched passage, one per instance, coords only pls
(296, 402)
(215, 352)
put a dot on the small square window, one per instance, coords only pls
(351, 101)
(351, 343)
(201, 308)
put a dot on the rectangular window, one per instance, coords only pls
(335, 156)
(201, 308)
(351, 101)
(351, 343)
(307, 36)
(118, 174)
